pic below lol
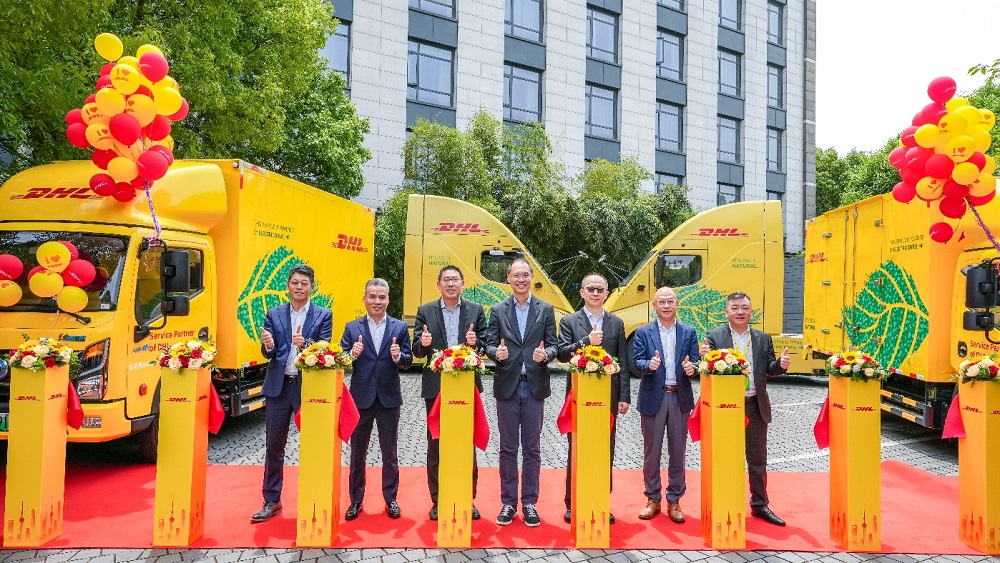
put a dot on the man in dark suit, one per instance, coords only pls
(592, 325)
(521, 339)
(287, 328)
(664, 355)
(380, 345)
(759, 350)
(440, 324)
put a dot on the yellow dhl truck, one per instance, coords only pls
(230, 233)
(713, 254)
(877, 283)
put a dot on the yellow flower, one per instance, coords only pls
(850, 357)
(595, 353)
(713, 355)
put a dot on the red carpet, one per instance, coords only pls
(111, 507)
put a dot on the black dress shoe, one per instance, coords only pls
(611, 518)
(393, 509)
(266, 512)
(766, 515)
(433, 514)
(352, 511)
(568, 517)
(475, 513)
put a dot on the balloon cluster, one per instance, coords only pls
(942, 157)
(128, 119)
(62, 273)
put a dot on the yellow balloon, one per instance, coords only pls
(927, 135)
(960, 149)
(168, 100)
(72, 299)
(10, 293)
(982, 138)
(108, 46)
(951, 126)
(99, 135)
(929, 189)
(131, 152)
(955, 103)
(53, 255)
(169, 81)
(123, 169)
(125, 79)
(147, 48)
(92, 114)
(971, 115)
(990, 166)
(983, 185)
(987, 119)
(965, 173)
(141, 107)
(109, 101)
(168, 142)
(130, 61)
(45, 283)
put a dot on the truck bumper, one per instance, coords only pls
(101, 422)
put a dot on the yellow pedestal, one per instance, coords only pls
(36, 456)
(458, 403)
(591, 464)
(181, 457)
(979, 466)
(318, 516)
(723, 455)
(855, 464)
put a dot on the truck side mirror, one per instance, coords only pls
(981, 287)
(176, 272)
(976, 320)
(176, 306)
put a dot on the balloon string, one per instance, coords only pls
(989, 235)
(152, 213)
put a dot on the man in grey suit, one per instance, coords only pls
(520, 387)
(592, 325)
(440, 324)
(759, 350)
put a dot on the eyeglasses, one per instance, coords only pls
(595, 289)
(520, 276)
(448, 281)
(662, 302)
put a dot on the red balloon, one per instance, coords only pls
(181, 113)
(979, 159)
(10, 267)
(79, 273)
(911, 176)
(100, 280)
(138, 182)
(952, 207)
(73, 252)
(981, 200)
(102, 158)
(167, 154)
(933, 112)
(903, 192)
(941, 232)
(917, 156)
(918, 119)
(76, 134)
(954, 189)
(125, 128)
(907, 137)
(103, 82)
(34, 271)
(90, 99)
(940, 166)
(74, 115)
(941, 90)
(896, 157)
(153, 66)
(158, 129)
(106, 69)
(102, 184)
(125, 195)
(145, 91)
(152, 165)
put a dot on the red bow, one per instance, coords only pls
(349, 415)
(480, 425)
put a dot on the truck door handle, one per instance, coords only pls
(203, 333)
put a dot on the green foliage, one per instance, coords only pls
(390, 246)
(990, 70)
(268, 287)
(250, 70)
(987, 96)
(704, 308)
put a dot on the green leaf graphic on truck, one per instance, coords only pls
(889, 320)
(268, 287)
(703, 308)
(486, 295)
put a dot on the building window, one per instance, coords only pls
(338, 50)
(444, 8)
(729, 14)
(602, 36)
(662, 180)
(429, 74)
(775, 86)
(729, 193)
(523, 19)
(775, 196)
(729, 140)
(774, 142)
(775, 23)
(729, 73)
(669, 55)
(669, 127)
(675, 4)
(522, 94)
(601, 112)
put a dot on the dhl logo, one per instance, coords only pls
(178, 400)
(459, 228)
(457, 402)
(817, 257)
(58, 193)
(727, 405)
(706, 404)
(26, 398)
(594, 404)
(723, 232)
(57, 396)
(837, 406)
(972, 409)
(347, 242)
(203, 397)
(995, 412)
(319, 400)
(864, 409)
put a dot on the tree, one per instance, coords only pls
(831, 178)
(250, 70)
(990, 70)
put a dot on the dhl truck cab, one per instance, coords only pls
(230, 231)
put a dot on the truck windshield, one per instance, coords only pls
(106, 253)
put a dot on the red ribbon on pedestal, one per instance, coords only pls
(480, 424)
(74, 411)
(694, 422)
(349, 415)
(216, 414)
(565, 419)
(953, 426)
(821, 430)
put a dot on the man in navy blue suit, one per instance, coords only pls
(287, 328)
(380, 345)
(664, 356)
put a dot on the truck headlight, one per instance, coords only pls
(93, 380)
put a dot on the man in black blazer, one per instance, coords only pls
(521, 339)
(380, 345)
(592, 325)
(440, 324)
(759, 349)
(287, 328)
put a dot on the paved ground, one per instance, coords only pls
(796, 402)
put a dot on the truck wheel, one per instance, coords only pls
(626, 363)
(149, 439)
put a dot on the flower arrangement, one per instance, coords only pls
(983, 369)
(457, 359)
(194, 354)
(323, 355)
(38, 354)
(857, 366)
(593, 360)
(724, 362)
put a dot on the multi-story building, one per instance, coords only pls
(718, 95)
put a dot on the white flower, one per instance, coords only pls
(448, 364)
(27, 361)
(973, 370)
(986, 362)
(41, 350)
(846, 368)
(207, 356)
(719, 366)
(856, 368)
(174, 363)
(703, 366)
(194, 344)
(329, 360)
(592, 366)
(731, 359)
(66, 354)
(194, 363)
(310, 360)
(963, 365)
(869, 372)
(611, 369)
